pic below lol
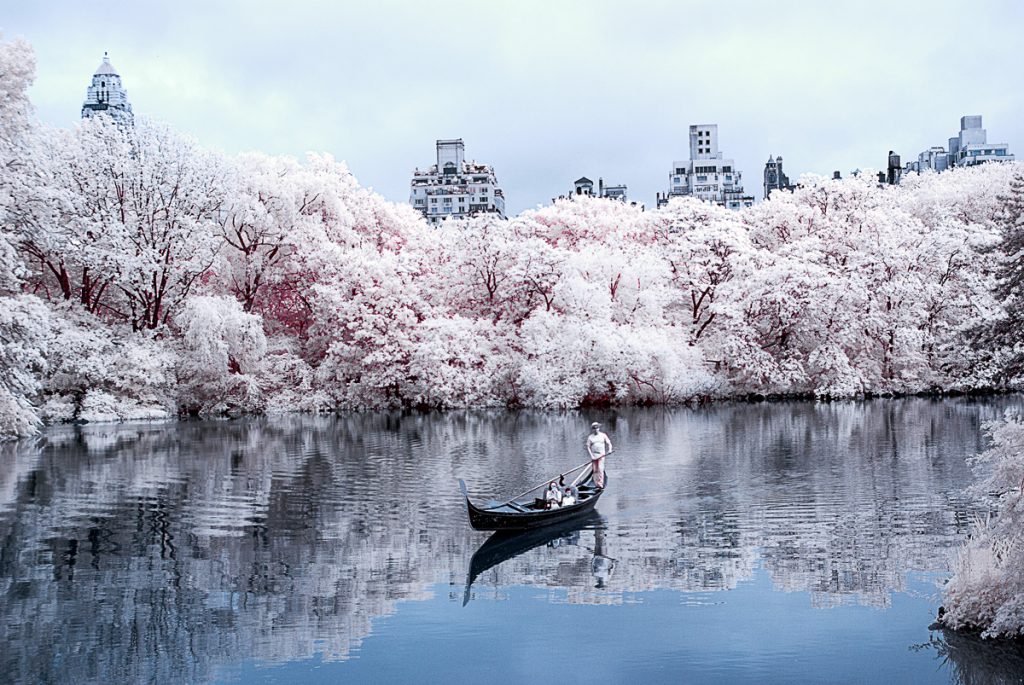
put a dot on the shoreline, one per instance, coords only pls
(703, 402)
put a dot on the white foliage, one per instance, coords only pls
(453, 363)
(17, 71)
(24, 337)
(87, 364)
(223, 350)
(987, 589)
(165, 268)
(288, 382)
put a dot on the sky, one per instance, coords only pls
(545, 91)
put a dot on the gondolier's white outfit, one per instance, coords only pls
(598, 445)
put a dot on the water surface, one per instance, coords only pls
(790, 542)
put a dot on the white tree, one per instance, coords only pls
(125, 221)
(24, 336)
(24, 320)
(222, 359)
(986, 591)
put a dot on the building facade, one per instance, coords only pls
(583, 186)
(454, 188)
(107, 94)
(935, 158)
(774, 177)
(969, 147)
(707, 175)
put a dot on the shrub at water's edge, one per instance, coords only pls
(986, 592)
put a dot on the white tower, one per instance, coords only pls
(106, 94)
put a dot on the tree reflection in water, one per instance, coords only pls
(974, 661)
(165, 552)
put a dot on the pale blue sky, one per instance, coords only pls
(544, 91)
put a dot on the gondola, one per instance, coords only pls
(526, 511)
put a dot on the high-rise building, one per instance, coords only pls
(774, 177)
(968, 148)
(106, 94)
(971, 146)
(707, 175)
(455, 188)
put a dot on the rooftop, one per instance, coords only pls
(105, 67)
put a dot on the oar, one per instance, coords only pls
(538, 487)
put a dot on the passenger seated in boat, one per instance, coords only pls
(568, 489)
(553, 496)
(568, 498)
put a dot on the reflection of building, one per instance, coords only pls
(707, 175)
(774, 177)
(454, 188)
(970, 147)
(106, 94)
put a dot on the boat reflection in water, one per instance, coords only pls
(505, 544)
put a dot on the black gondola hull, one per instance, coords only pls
(487, 519)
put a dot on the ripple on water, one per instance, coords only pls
(147, 554)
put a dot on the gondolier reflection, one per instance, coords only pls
(599, 446)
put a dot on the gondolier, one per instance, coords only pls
(599, 446)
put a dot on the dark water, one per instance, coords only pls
(794, 542)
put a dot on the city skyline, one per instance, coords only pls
(597, 93)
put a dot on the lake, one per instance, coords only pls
(793, 542)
